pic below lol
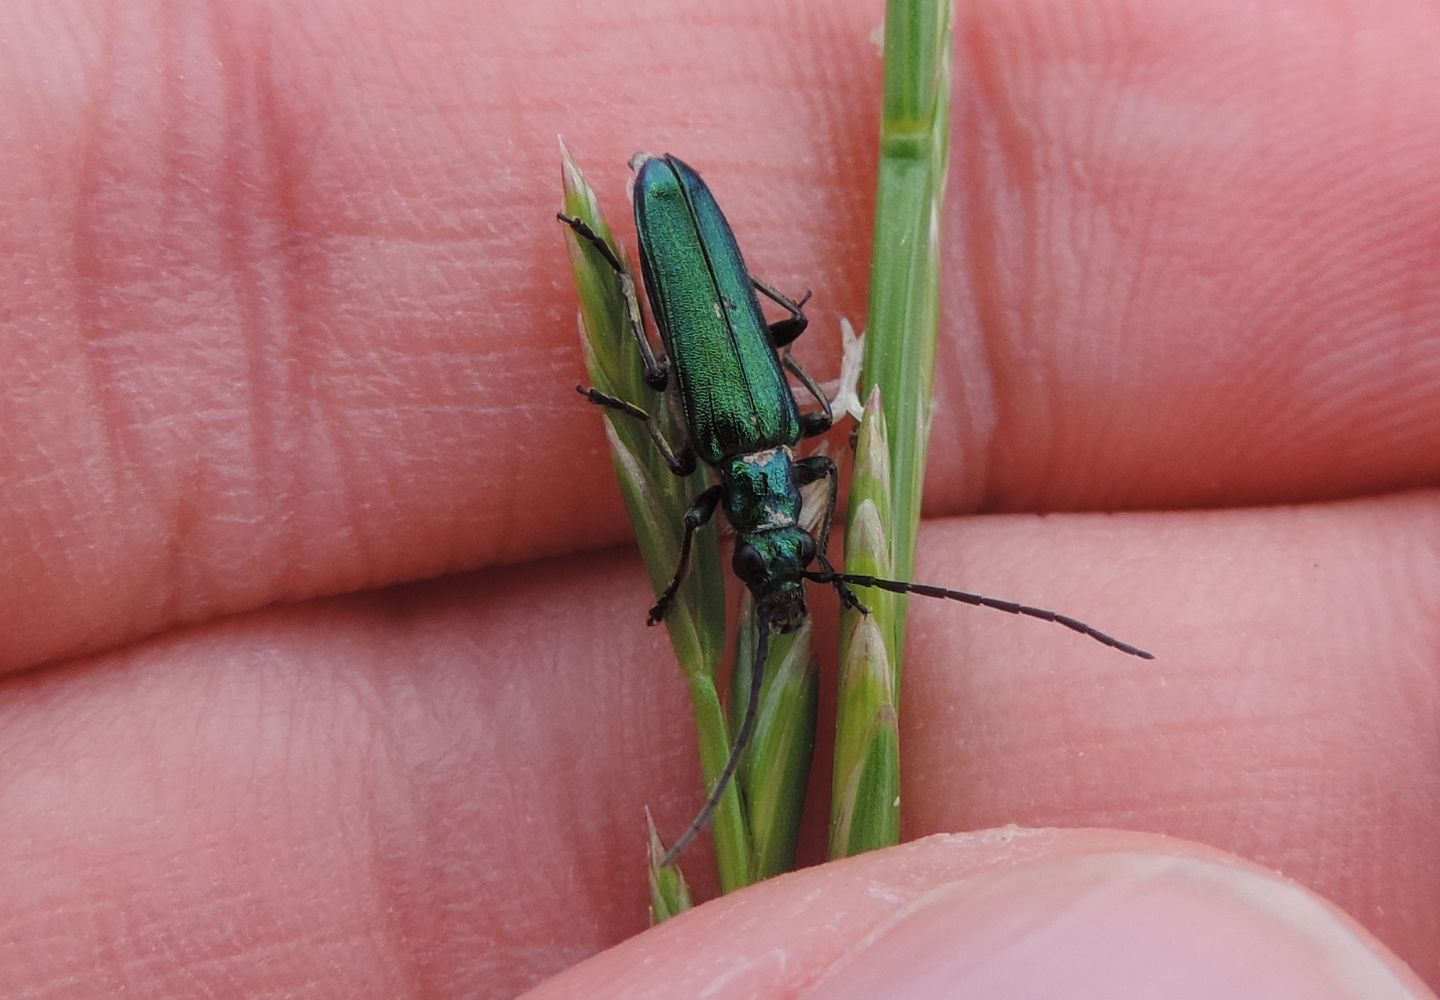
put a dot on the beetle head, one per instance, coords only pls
(770, 563)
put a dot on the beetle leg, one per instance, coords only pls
(782, 334)
(657, 372)
(810, 470)
(784, 331)
(682, 464)
(699, 513)
(811, 424)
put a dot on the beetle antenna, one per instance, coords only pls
(979, 601)
(742, 740)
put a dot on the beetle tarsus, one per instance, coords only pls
(829, 574)
(847, 596)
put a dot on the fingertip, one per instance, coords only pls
(1119, 925)
(1010, 913)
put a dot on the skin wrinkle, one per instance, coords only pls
(182, 582)
(984, 226)
(829, 103)
(185, 153)
(299, 258)
(1145, 228)
(86, 266)
(388, 887)
(287, 344)
(137, 279)
(267, 460)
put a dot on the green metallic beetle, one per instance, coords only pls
(727, 365)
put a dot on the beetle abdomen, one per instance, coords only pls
(731, 385)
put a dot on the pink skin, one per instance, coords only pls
(285, 319)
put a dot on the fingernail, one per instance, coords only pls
(1120, 925)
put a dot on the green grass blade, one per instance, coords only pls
(903, 324)
(669, 893)
(657, 501)
(864, 811)
(775, 772)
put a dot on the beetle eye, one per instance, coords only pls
(748, 564)
(807, 550)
